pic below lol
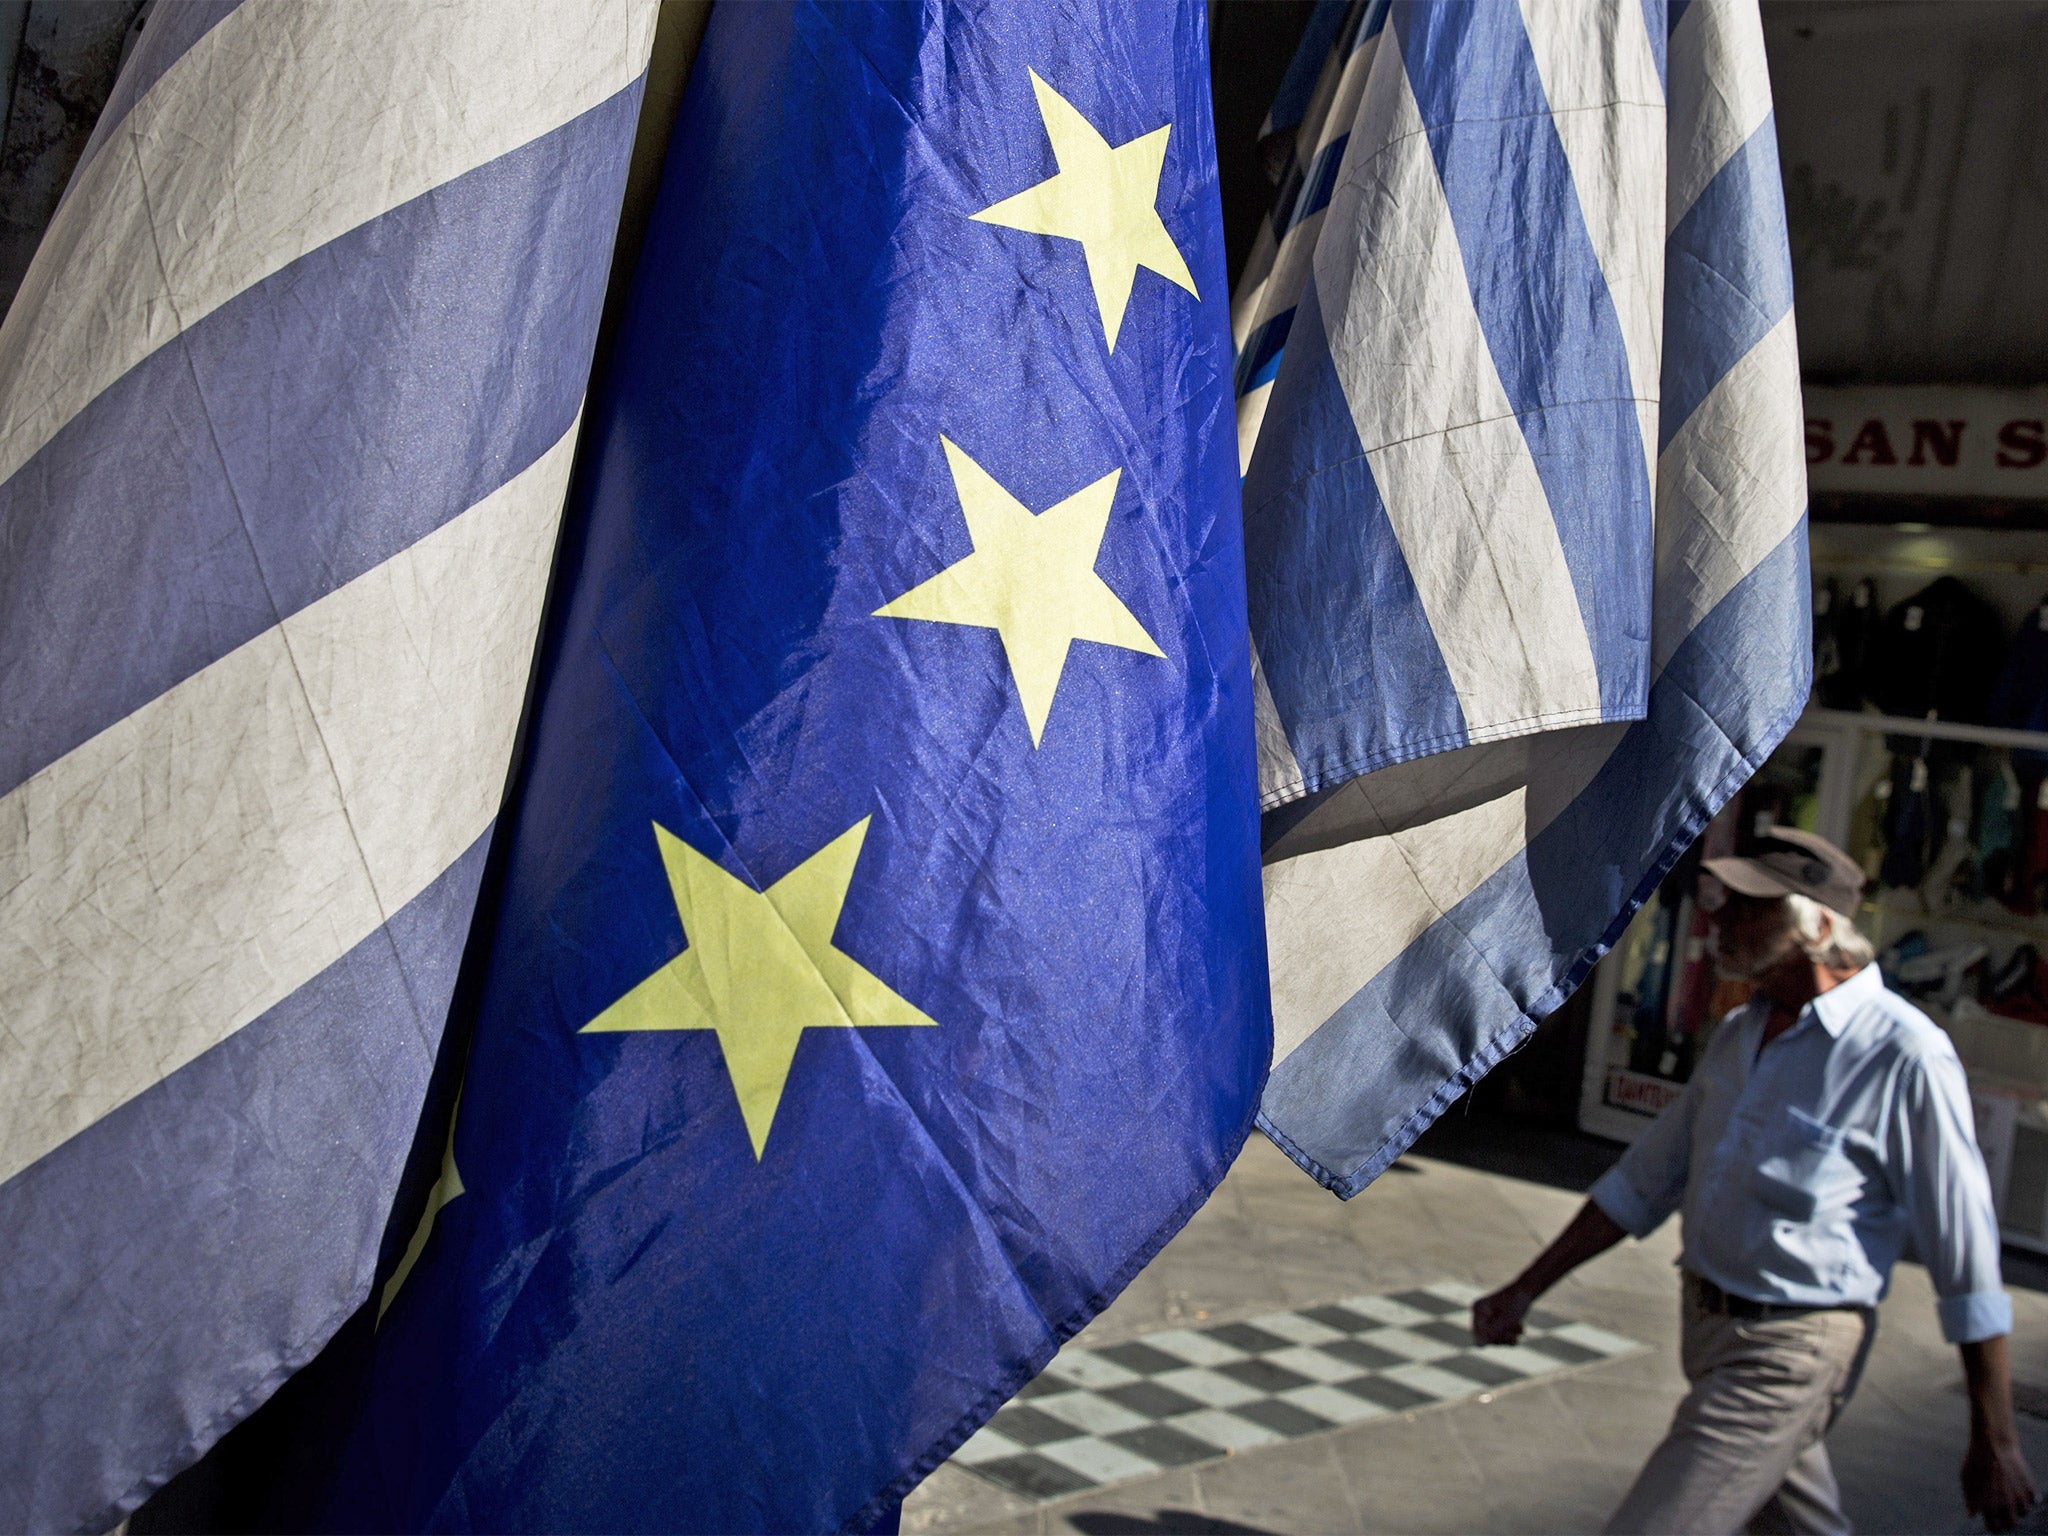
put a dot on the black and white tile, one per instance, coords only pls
(1184, 1395)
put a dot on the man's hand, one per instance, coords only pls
(1497, 1319)
(1997, 1483)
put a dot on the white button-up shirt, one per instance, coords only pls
(1805, 1170)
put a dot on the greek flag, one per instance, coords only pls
(287, 403)
(1518, 406)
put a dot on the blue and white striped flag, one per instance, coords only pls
(287, 404)
(1525, 519)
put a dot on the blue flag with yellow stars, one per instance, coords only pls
(878, 977)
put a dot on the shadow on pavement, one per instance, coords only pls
(1165, 1522)
(1475, 1138)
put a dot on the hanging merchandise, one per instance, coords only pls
(1841, 643)
(1905, 859)
(1647, 1048)
(1954, 866)
(2025, 895)
(1909, 946)
(2019, 700)
(1937, 976)
(1802, 810)
(2018, 989)
(1827, 649)
(1870, 826)
(1998, 830)
(1934, 655)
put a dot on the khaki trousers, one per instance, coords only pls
(1746, 1448)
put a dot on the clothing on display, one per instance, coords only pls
(1934, 655)
(2019, 699)
(1841, 642)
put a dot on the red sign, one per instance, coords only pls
(1928, 441)
(1639, 1091)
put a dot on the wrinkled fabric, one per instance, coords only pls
(1806, 1170)
(1519, 416)
(1747, 1448)
(288, 401)
(691, 1265)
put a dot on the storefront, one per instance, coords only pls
(1924, 752)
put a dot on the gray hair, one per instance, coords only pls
(1827, 937)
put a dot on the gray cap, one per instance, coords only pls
(1792, 862)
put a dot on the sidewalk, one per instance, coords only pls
(1552, 1452)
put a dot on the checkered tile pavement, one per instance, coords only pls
(1184, 1395)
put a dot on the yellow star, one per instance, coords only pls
(1105, 198)
(1030, 579)
(760, 969)
(446, 1188)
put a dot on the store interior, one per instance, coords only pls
(1924, 753)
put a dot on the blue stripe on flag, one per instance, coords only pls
(1286, 195)
(1514, 949)
(1547, 314)
(1728, 279)
(1321, 180)
(1660, 38)
(170, 34)
(1372, 20)
(224, 1177)
(227, 472)
(1356, 672)
(1260, 360)
(1298, 85)
(1306, 191)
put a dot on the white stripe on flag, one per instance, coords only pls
(193, 865)
(1278, 282)
(1251, 415)
(1279, 773)
(1251, 291)
(1319, 121)
(1337, 917)
(1720, 94)
(1731, 486)
(1607, 103)
(1451, 462)
(283, 127)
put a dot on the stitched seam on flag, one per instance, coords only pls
(1488, 1056)
(1347, 769)
(1332, 465)
(19, 443)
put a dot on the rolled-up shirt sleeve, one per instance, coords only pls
(1648, 1184)
(1947, 1196)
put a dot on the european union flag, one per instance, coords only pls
(878, 979)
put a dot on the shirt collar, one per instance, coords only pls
(1834, 1006)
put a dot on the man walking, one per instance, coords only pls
(1826, 1126)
